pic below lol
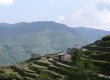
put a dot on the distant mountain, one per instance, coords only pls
(91, 34)
(18, 41)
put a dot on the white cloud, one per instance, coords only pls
(60, 19)
(80, 19)
(6, 2)
(93, 17)
(105, 16)
(99, 20)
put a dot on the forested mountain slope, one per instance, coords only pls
(18, 41)
(92, 34)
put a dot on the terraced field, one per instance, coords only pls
(32, 69)
(101, 54)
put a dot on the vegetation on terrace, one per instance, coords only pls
(101, 54)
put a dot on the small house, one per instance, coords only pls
(64, 56)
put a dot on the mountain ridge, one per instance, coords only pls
(18, 41)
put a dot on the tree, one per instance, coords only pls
(13, 76)
(83, 68)
(2, 71)
(76, 55)
(34, 55)
(10, 76)
(106, 38)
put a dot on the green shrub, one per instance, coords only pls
(20, 72)
(52, 74)
(104, 43)
(84, 70)
(2, 71)
(106, 38)
(103, 65)
(10, 76)
(42, 63)
(98, 48)
(31, 75)
(101, 56)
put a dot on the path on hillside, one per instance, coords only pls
(51, 59)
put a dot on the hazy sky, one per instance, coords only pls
(74, 13)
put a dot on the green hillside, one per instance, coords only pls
(52, 67)
(18, 41)
(101, 54)
(74, 64)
